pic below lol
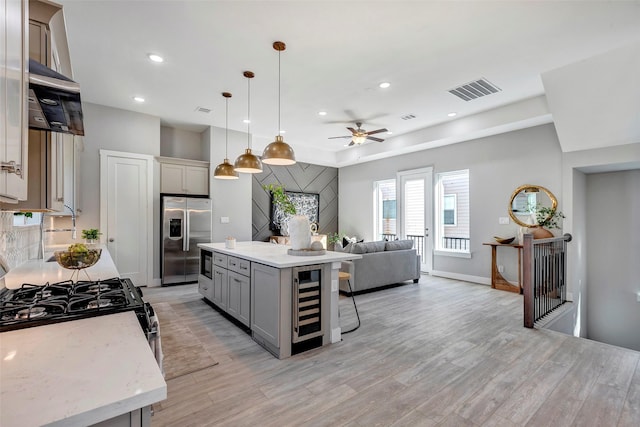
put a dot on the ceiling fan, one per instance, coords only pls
(359, 136)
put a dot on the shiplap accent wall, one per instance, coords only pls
(303, 177)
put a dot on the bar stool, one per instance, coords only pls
(343, 275)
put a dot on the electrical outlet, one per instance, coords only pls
(501, 269)
(503, 220)
(224, 220)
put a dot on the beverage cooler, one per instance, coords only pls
(307, 308)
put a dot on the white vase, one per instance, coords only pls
(299, 232)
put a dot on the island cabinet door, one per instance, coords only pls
(220, 287)
(239, 297)
(265, 297)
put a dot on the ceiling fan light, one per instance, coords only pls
(248, 163)
(279, 153)
(225, 171)
(359, 139)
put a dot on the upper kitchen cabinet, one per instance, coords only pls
(13, 100)
(182, 176)
(52, 156)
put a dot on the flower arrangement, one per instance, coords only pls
(548, 217)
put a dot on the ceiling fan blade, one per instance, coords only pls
(377, 131)
(352, 130)
(340, 137)
(373, 138)
(351, 143)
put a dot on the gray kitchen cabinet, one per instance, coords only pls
(266, 306)
(182, 176)
(220, 287)
(13, 100)
(205, 287)
(239, 303)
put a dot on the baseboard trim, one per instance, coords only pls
(155, 283)
(464, 277)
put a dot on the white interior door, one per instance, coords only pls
(416, 212)
(126, 212)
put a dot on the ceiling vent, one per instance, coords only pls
(475, 89)
(203, 110)
(408, 117)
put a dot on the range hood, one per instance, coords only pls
(54, 101)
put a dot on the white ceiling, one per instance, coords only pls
(337, 54)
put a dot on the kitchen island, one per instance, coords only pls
(80, 372)
(289, 303)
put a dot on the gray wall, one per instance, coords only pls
(497, 165)
(181, 143)
(613, 255)
(302, 177)
(118, 130)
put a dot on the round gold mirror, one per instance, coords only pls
(524, 202)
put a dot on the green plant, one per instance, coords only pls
(335, 237)
(548, 217)
(280, 198)
(91, 234)
(26, 214)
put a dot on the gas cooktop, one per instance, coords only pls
(35, 305)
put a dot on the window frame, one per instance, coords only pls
(439, 226)
(378, 210)
(455, 210)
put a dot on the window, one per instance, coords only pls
(452, 213)
(449, 209)
(385, 209)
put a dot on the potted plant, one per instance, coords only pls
(335, 239)
(545, 217)
(91, 235)
(285, 206)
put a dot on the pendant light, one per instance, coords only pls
(279, 152)
(225, 169)
(248, 162)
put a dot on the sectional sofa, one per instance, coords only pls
(383, 263)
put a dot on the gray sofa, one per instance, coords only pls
(383, 263)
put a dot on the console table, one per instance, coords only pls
(497, 280)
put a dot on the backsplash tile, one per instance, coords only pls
(17, 243)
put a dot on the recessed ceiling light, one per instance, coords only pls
(322, 113)
(155, 58)
(452, 114)
(246, 121)
(389, 132)
(385, 85)
(283, 131)
(138, 99)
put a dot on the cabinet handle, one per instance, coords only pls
(11, 167)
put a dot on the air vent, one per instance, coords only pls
(203, 110)
(475, 89)
(408, 117)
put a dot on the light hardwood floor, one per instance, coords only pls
(440, 352)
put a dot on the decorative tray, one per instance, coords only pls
(306, 252)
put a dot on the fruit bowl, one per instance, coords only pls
(77, 260)
(504, 240)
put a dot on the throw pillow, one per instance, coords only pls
(398, 245)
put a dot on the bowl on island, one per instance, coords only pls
(77, 257)
(504, 240)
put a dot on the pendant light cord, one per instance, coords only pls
(226, 130)
(279, 92)
(248, 113)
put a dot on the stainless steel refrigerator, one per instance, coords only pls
(186, 221)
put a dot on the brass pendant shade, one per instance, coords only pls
(279, 152)
(225, 169)
(248, 162)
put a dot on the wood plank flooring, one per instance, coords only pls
(440, 352)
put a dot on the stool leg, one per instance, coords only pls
(355, 307)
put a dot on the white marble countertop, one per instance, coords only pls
(276, 255)
(39, 272)
(77, 373)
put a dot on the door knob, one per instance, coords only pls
(111, 239)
